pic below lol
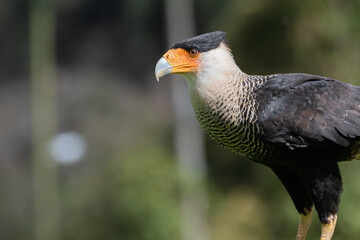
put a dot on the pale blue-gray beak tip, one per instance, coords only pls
(162, 68)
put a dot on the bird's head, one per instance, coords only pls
(197, 58)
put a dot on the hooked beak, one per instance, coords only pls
(162, 68)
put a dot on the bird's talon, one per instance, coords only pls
(327, 229)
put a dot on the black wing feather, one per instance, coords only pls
(301, 110)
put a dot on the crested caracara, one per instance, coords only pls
(299, 125)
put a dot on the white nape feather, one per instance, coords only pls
(215, 68)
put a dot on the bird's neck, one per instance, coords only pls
(228, 111)
(227, 88)
(211, 77)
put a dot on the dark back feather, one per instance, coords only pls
(301, 110)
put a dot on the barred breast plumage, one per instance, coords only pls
(230, 116)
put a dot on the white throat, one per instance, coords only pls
(216, 68)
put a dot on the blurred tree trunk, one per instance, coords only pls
(189, 143)
(43, 107)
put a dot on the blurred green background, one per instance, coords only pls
(87, 66)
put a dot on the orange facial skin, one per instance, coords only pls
(182, 61)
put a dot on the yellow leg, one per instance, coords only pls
(305, 222)
(327, 229)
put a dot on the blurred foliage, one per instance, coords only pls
(127, 187)
(234, 217)
(128, 199)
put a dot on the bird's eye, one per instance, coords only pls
(193, 53)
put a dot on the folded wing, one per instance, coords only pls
(301, 110)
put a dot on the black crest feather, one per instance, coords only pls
(203, 43)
